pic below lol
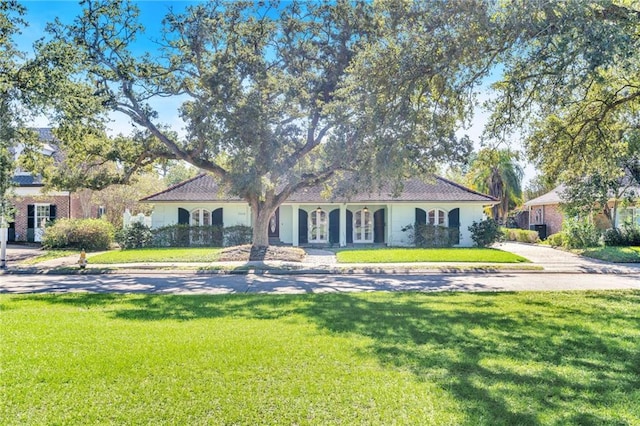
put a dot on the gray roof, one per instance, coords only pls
(551, 197)
(205, 188)
(27, 180)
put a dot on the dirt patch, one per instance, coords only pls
(245, 252)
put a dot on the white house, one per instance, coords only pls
(309, 217)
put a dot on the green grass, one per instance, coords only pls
(613, 254)
(49, 255)
(157, 255)
(370, 358)
(398, 255)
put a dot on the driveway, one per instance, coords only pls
(556, 260)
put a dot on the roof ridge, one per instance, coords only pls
(175, 185)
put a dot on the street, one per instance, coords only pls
(189, 283)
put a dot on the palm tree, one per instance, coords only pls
(497, 173)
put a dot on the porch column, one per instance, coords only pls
(295, 237)
(343, 225)
(387, 225)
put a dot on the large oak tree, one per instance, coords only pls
(276, 98)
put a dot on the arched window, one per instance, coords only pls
(200, 217)
(318, 226)
(362, 226)
(437, 217)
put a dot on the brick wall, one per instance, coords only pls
(553, 218)
(62, 210)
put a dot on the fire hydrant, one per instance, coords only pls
(83, 259)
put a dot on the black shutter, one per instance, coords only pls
(334, 226)
(421, 217)
(52, 212)
(349, 227)
(183, 216)
(216, 217)
(31, 213)
(303, 227)
(454, 222)
(454, 218)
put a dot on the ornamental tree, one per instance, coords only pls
(278, 98)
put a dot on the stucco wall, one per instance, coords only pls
(397, 216)
(232, 213)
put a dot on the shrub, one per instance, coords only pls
(580, 234)
(485, 233)
(520, 235)
(555, 240)
(137, 235)
(431, 236)
(188, 236)
(87, 234)
(237, 235)
(613, 237)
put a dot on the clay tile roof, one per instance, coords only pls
(204, 187)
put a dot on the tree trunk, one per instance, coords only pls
(261, 212)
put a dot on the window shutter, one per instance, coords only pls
(31, 212)
(421, 217)
(183, 216)
(52, 212)
(216, 217)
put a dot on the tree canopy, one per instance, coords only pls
(277, 98)
(571, 85)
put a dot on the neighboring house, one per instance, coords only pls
(34, 207)
(545, 215)
(308, 217)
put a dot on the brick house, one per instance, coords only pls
(545, 215)
(34, 207)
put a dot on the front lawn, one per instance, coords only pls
(50, 255)
(399, 255)
(184, 254)
(369, 358)
(613, 254)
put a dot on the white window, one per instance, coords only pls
(200, 217)
(43, 212)
(436, 217)
(362, 226)
(318, 226)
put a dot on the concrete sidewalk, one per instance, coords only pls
(543, 259)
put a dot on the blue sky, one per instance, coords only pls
(151, 15)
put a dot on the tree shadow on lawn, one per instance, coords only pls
(531, 361)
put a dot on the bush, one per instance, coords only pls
(87, 234)
(237, 235)
(613, 237)
(485, 233)
(431, 236)
(188, 236)
(521, 235)
(580, 234)
(137, 235)
(555, 240)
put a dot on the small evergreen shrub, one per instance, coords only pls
(237, 235)
(613, 237)
(555, 240)
(431, 236)
(137, 235)
(580, 234)
(87, 234)
(520, 235)
(188, 236)
(485, 232)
